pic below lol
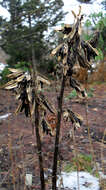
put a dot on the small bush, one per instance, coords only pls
(82, 162)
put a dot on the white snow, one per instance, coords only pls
(28, 179)
(86, 181)
(2, 117)
(2, 66)
(4, 13)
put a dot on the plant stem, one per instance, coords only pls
(37, 117)
(39, 147)
(60, 102)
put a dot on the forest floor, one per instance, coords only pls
(18, 149)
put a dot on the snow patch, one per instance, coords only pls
(2, 66)
(2, 117)
(28, 180)
(86, 181)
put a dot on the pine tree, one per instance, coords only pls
(29, 21)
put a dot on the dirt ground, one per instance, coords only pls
(18, 145)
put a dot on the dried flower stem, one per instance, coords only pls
(60, 101)
(37, 118)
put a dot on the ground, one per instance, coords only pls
(18, 144)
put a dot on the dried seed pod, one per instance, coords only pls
(55, 51)
(78, 87)
(43, 80)
(46, 127)
(47, 104)
(76, 119)
(94, 41)
(11, 86)
(23, 85)
(82, 61)
(89, 50)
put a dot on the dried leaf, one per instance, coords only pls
(94, 41)
(14, 70)
(14, 75)
(47, 104)
(65, 69)
(83, 62)
(66, 115)
(46, 127)
(18, 108)
(79, 11)
(8, 83)
(66, 29)
(19, 79)
(71, 34)
(43, 80)
(89, 50)
(32, 109)
(56, 49)
(75, 118)
(75, 16)
(29, 93)
(93, 49)
(18, 96)
(78, 87)
(14, 85)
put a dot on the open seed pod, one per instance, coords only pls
(89, 50)
(21, 82)
(76, 119)
(78, 87)
(46, 127)
(46, 103)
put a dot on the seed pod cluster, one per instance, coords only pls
(22, 84)
(74, 53)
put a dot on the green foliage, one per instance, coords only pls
(88, 23)
(82, 162)
(23, 65)
(4, 74)
(90, 93)
(68, 167)
(29, 23)
(100, 56)
(97, 21)
(73, 94)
